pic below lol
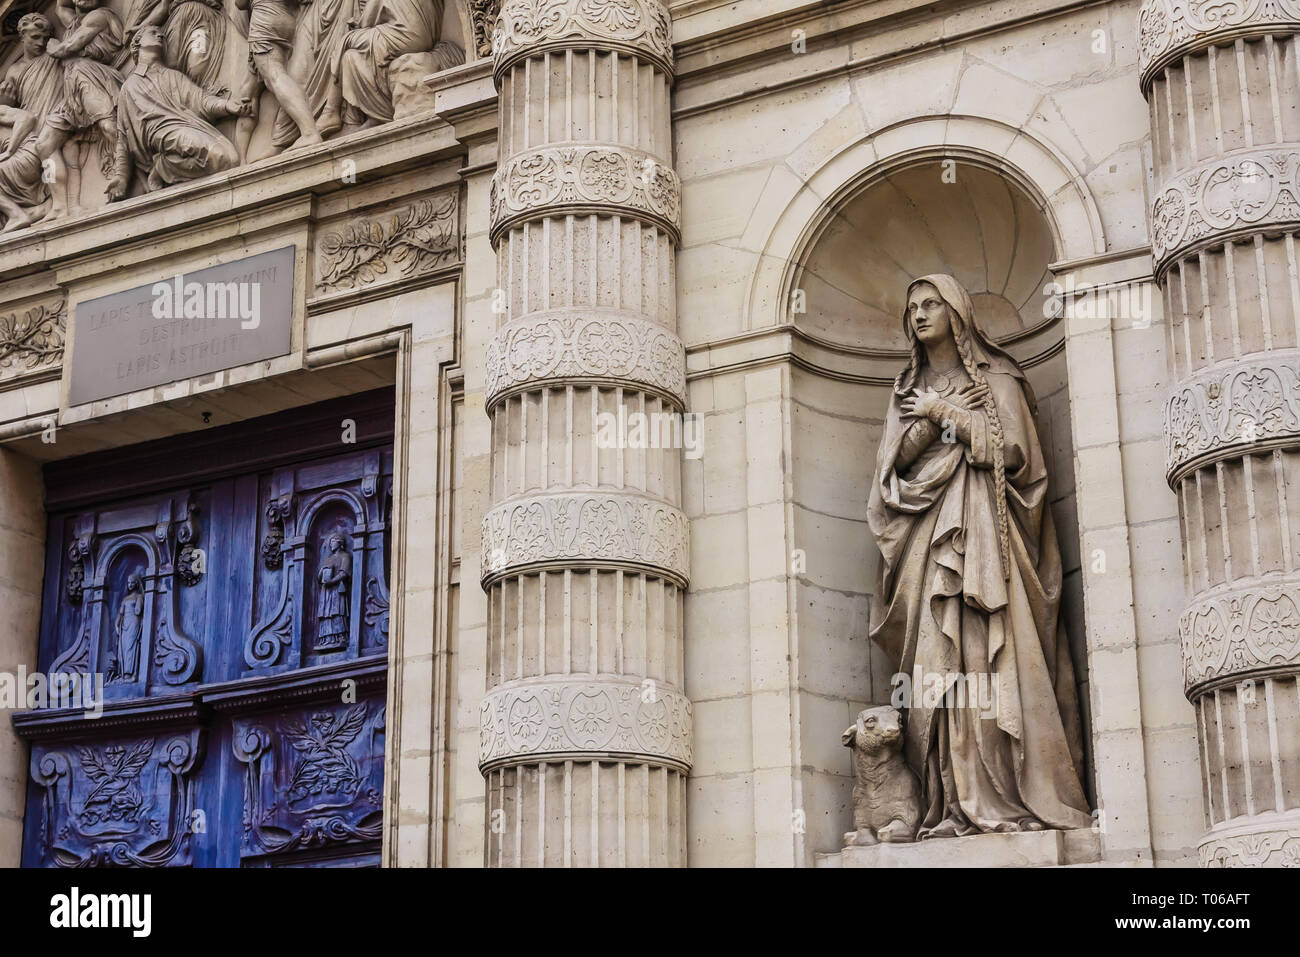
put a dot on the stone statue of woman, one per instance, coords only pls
(333, 608)
(970, 581)
(128, 628)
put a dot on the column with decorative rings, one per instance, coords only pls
(1223, 85)
(585, 736)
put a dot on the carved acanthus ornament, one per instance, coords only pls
(526, 27)
(583, 716)
(1241, 191)
(613, 529)
(1234, 631)
(1250, 406)
(585, 345)
(604, 179)
(1170, 29)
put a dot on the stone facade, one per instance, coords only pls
(634, 274)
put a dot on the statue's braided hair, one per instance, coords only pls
(961, 337)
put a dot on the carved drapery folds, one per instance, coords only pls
(585, 548)
(1224, 219)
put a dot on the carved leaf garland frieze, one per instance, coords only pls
(1234, 632)
(609, 529)
(1243, 190)
(1169, 28)
(584, 345)
(415, 239)
(31, 339)
(611, 179)
(524, 27)
(584, 715)
(1222, 413)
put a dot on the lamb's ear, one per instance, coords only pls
(847, 737)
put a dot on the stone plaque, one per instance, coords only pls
(189, 325)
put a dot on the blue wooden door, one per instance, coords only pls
(220, 609)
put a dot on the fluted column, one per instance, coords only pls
(1223, 84)
(585, 732)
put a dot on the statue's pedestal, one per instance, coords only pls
(1030, 849)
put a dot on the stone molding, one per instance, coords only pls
(582, 530)
(1244, 191)
(1237, 631)
(1266, 840)
(1229, 410)
(596, 178)
(584, 717)
(1170, 29)
(605, 347)
(639, 28)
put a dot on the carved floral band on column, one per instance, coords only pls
(1270, 840)
(585, 717)
(1170, 29)
(527, 27)
(605, 347)
(1251, 406)
(1240, 191)
(585, 529)
(590, 178)
(1230, 633)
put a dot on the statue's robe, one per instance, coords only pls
(943, 606)
(195, 34)
(162, 127)
(317, 42)
(390, 29)
(39, 82)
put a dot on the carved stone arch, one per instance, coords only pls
(1035, 165)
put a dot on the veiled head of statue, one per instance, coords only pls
(938, 307)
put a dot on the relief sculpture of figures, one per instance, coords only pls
(128, 628)
(34, 83)
(970, 581)
(333, 609)
(270, 32)
(91, 44)
(195, 36)
(163, 131)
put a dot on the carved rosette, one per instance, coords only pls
(1229, 633)
(1242, 191)
(1170, 29)
(586, 530)
(602, 347)
(597, 178)
(527, 27)
(585, 717)
(1250, 406)
(1270, 840)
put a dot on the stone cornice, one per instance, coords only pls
(584, 717)
(596, 529)
(607, 348)
(1169, 30)
(1247, 405)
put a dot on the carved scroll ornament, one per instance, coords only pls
(1234, 632)
(1168, 29)
(526, 27)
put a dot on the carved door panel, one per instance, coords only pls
(238, 629)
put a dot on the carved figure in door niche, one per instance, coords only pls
(333, 607)
(128, 627)
(163, 131)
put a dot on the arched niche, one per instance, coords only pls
(975, 219)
